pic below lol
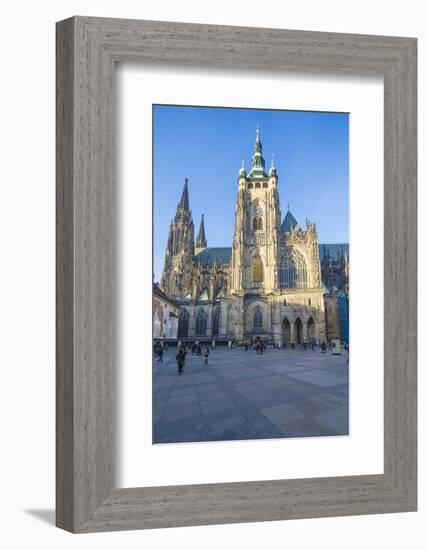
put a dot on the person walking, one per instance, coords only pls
(206, 354)
(180, 357)
(160, 354)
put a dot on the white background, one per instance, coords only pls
(139, 88)
(27, 285)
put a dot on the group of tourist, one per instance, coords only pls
(160, 348)
(182, 352)
(259, 346)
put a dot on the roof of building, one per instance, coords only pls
(160, 294)
(289, 222)
(219, 255)
(334, 250)
(222, 255)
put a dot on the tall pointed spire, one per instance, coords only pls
(180, 250)
(258, 162)
(201, 240)
(184, 201)
(242, 171)
(272, 170)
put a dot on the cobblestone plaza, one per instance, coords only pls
(242, 395)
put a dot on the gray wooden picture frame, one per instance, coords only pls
(87, 50)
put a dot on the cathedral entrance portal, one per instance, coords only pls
(286, 331)
(298, 331)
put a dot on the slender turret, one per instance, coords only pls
(201, 240)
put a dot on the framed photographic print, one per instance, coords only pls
(236, 274)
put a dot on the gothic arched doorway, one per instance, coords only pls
(286, 331)
(311, 331)
(298, 331)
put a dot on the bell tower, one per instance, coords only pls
(256, 238)
(176, 279)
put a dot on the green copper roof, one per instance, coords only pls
(222, 255)
(258, 162)
(334, 250)
(289, 222)
(209, 255)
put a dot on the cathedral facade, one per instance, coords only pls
(267, 285)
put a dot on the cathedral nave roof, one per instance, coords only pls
(219, 255)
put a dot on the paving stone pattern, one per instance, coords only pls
(242, 395)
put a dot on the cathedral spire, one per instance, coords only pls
(272, 170)
(201, 240)
(184, 201)
(258, 162)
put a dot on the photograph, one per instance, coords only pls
(251, 274)
(192, 193)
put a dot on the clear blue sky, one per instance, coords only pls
(207, 145)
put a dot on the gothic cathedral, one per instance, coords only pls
(267, 285)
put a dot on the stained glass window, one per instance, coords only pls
(216, 322)
(201, 323)
(293, 271)
(183, 324)
(257, 270)
(258, 319)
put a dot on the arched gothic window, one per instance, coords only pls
(257, 270)
(257, 212)
(257, 224)
(201, 323)
(183, 324)
(258, 319)
(216, 322)
(293, 271)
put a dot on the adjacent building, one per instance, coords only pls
(165, 315)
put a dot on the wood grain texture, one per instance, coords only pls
(87, 50)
